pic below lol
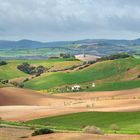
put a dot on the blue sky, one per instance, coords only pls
(51, 20)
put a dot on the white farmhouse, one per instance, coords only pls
(93, 85)
(75, 88)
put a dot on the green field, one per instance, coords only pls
(112, 86)
(113, 71)
(10, 70)
(32, 52)
(128, 122)
(108, 75)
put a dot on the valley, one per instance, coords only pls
(47, 100)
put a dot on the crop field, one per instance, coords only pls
(127, 122)
(107, 74)
(119, 85)
(10, 70)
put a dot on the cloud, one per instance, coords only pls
(69, 19)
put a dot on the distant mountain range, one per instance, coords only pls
(90, 46)
(27, 44)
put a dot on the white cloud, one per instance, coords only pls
(69, 19)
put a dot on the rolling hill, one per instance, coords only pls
(21, 104)
(10, 70)
(16, 96)
(101, 119)
(25, 43)
(108, 75)
(28, 49)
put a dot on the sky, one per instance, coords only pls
(55, 20)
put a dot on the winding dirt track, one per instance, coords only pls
(21, 104)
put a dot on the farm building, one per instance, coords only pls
(86, 57)
(75, 88)
(93, 85)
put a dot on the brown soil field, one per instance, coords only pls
(81, 136)
(21, 104)
(25, 134)
(15, 96)
(18, 96)
(14, 133)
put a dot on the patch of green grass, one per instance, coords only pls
(98, 71)
(128, 122)
(10, 70)
(33, 52)
(112, 86)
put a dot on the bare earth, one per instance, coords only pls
(81, 136)
(21, 105)
(82, 57)
(25, 134)
(14, 133)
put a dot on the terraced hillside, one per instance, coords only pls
(108, 75)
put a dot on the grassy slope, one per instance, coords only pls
(112, 86)
(128, 122)
(98, 71)
(10, 70)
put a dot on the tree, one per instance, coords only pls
(114, 56)
(40, 69)
(3, 63)
(138, 76)
(65, 55)
(29, 69)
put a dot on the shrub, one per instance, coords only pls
(3, 63)
(114, 127)
(93, 130)
(65, 55)
(21, 85)
(114, 56)
(4, 81)
(17, 84)
(90, 62)
(42, 131)
(138, 76)
(14, 83)
(25, 80)
(38, 74)
(40, 69)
